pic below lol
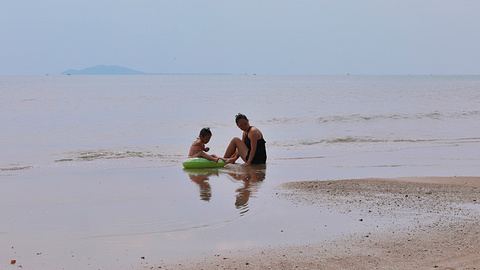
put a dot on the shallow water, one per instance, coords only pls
(91, 165)
(113, 218)
(94, 218)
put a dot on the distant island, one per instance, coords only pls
(116, 70)
(103, 70)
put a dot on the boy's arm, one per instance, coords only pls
(201, 146)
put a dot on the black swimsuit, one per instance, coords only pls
(261, 152)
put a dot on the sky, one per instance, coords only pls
(270, 37)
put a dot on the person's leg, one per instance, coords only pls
(236, 146)
(215, 156)
(232, 148)
(205, 155)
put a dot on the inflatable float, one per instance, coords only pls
(200, 163)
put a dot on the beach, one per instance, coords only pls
(370, 171)
(440, 230)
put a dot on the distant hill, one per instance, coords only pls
(116, 70)
(103, 70)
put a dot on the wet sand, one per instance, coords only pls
(434, 224)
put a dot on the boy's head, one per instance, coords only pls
(205, 134)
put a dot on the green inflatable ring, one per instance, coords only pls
(198, 163)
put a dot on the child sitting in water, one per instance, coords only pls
(198, 148)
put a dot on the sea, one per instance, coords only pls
(91, 166)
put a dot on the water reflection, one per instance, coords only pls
(251, 178)
(200, 177)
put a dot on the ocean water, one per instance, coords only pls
(91, 173)
(49, 119)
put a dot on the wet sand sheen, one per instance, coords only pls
(438, 227)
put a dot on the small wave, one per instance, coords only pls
(370, 140)
(16, 168)
(104, 154)
(468, 114)
(359, 117)
(360, 140)
(283, 121)
(112, 155)
(395, 116)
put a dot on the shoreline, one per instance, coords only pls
(439, 227)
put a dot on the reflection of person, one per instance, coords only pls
(198, 148)
(251, 148)
(251, 176)
(201, 179)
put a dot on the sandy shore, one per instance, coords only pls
(439, 227)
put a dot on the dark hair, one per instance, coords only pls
(205, 132)
(240, 116)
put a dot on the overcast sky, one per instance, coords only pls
(296, 37)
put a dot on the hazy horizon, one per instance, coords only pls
(304, 37)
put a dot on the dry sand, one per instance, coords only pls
(442, 229)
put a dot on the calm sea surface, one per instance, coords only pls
(58, 118)
(91, 165)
